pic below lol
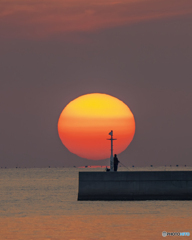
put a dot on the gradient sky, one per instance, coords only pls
(51, 52)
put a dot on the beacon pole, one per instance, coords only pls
(111, 158)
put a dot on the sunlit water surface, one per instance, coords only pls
(42, 204)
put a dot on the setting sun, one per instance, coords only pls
(85, 122)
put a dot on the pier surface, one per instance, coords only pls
(135, 185)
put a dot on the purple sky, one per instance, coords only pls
(53, 51)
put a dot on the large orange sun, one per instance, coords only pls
(85, 123)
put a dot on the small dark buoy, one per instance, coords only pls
(107, 169)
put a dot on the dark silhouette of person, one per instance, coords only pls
(115, 162)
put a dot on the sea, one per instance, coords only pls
(41, 204)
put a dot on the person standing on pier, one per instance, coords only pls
(115, 162)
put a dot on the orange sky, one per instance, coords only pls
(53, 51)
(39, 19)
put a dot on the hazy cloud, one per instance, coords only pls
(39, 19)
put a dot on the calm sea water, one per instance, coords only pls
(42, 204)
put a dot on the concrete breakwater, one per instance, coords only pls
(137, 185)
